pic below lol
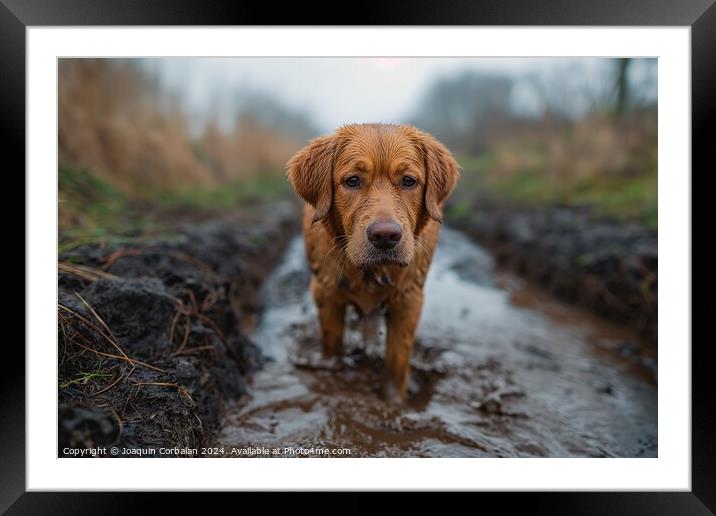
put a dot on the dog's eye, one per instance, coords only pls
(352, 182)
(409, 181)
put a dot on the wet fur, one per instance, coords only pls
(346, 269)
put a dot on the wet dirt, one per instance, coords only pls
(150, 340)
(499, 369)
(606, 265)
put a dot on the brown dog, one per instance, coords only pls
(374, 195)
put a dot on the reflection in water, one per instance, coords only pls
(498, 370)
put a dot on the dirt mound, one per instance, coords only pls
(150, 334)
(606, 265)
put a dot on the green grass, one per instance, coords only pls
(83, 377)
(632, 198)
(92, 211)
(458, 210)
(79, 188)
(629, 197)
(259, 188)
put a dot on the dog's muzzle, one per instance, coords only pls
(384, 234)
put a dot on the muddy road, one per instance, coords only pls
(498, 370)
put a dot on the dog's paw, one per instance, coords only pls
(391, 393)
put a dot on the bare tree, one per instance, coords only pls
(622, 86)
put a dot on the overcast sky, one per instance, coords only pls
(335, 91)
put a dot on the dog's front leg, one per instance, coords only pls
(331, 314)
(402, 318)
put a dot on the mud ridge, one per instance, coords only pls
(606, 265)
(151, 334)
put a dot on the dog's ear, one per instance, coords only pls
(442, 174)
(310, 171)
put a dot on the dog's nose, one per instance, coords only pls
(384, 234)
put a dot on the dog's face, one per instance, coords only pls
(376, 186)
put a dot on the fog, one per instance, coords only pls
(336, 91)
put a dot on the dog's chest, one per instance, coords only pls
(368, 291)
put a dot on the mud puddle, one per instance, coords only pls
(498, 370)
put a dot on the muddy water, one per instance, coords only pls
(498, 370)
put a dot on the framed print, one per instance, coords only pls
(419, 250)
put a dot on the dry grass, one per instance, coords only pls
(116, 121)
(110, 122)
(84, 272)
(598, 160)
(597, 145)
(66, 322)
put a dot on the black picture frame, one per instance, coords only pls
(700, 15)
